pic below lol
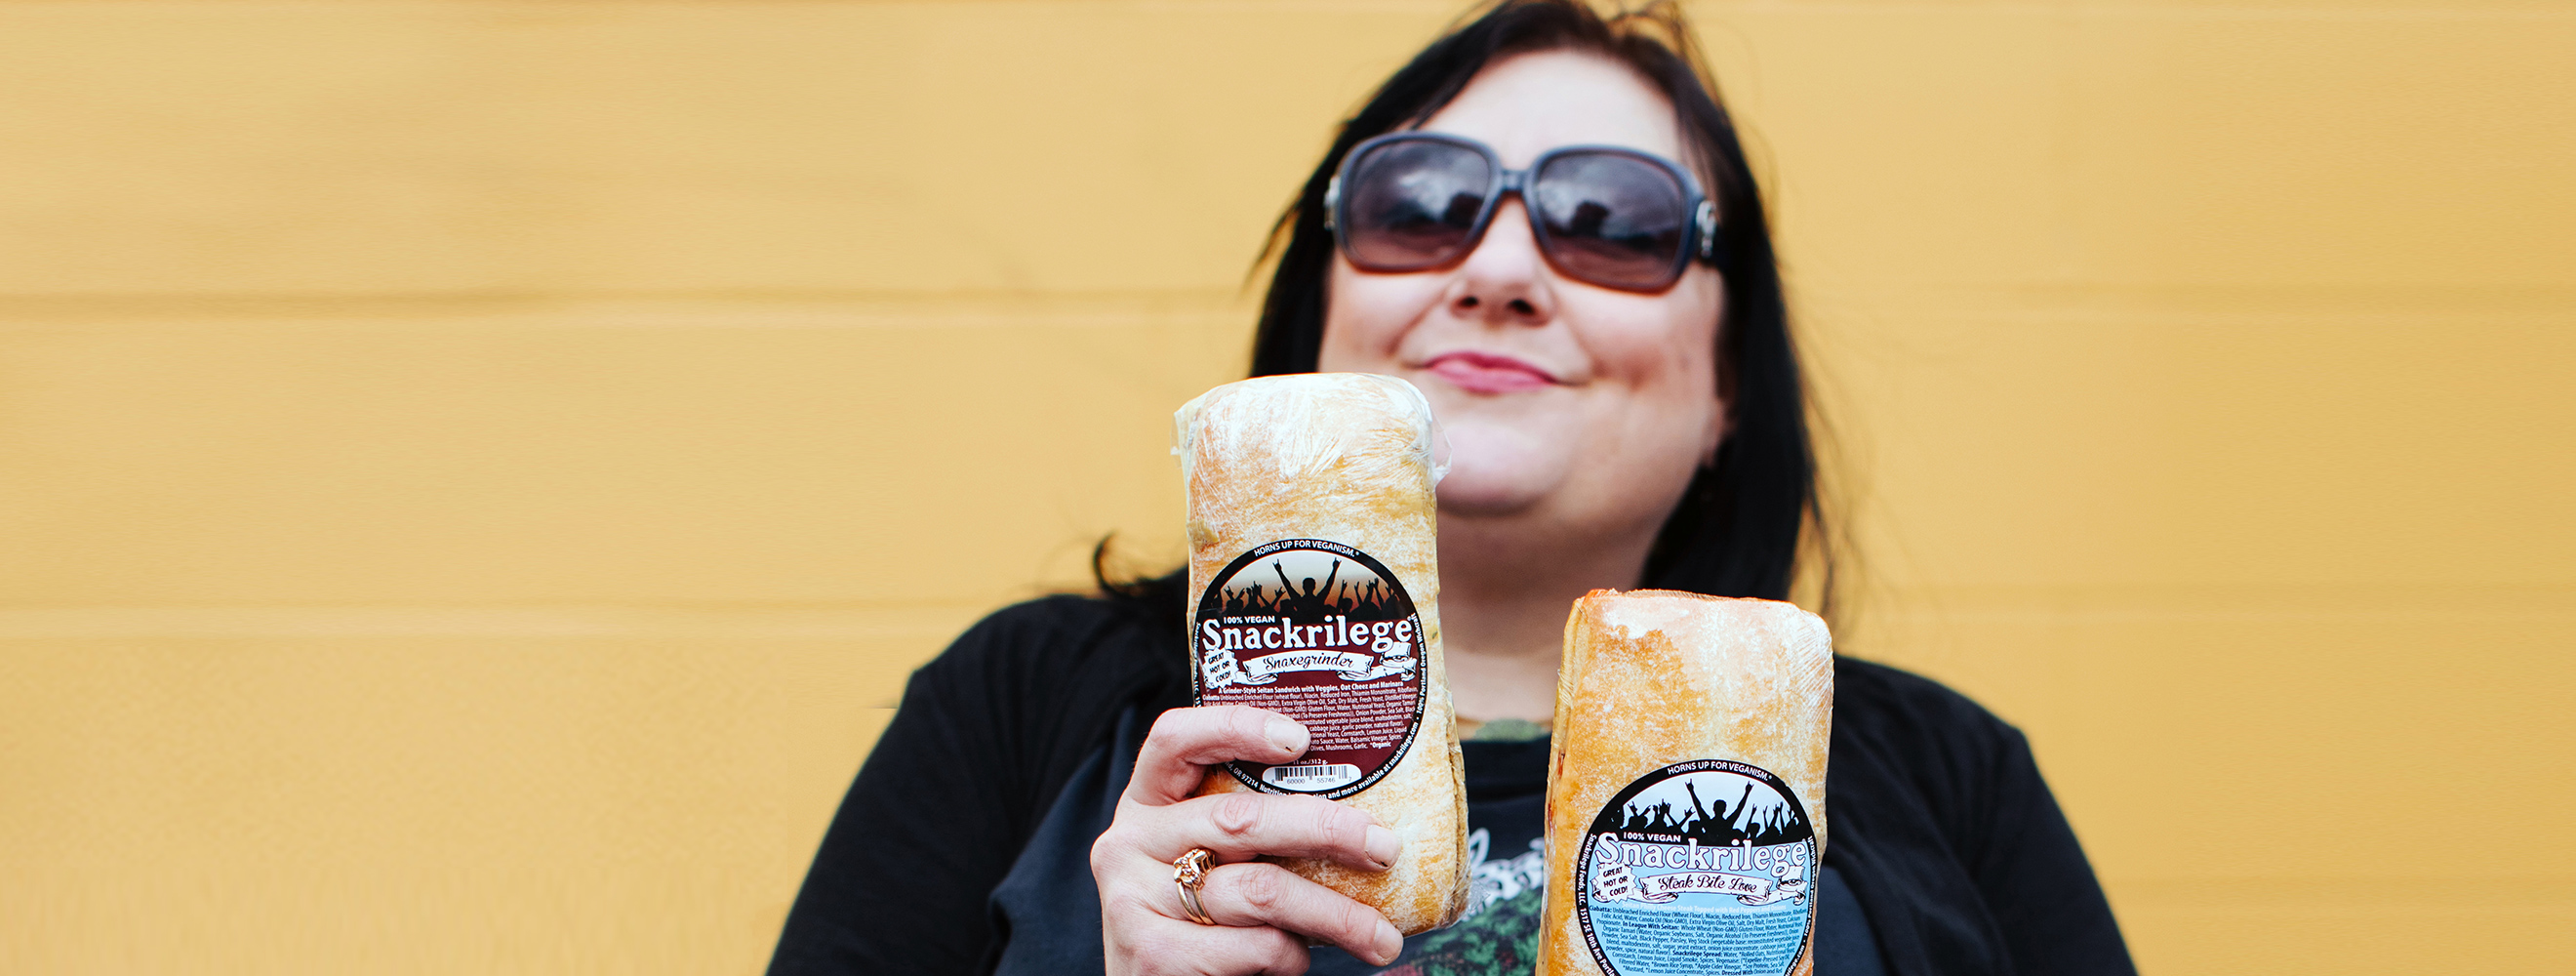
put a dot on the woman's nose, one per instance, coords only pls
(1504, 281)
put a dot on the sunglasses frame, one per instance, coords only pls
(1703, 211)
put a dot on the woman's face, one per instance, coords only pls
(1577, 404)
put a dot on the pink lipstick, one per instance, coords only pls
(1478, 372)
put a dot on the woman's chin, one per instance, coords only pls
(1479, 500)
(1495, 473)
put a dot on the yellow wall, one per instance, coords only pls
(474, 475)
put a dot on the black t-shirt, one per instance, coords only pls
(963, 846)
(1048, 910)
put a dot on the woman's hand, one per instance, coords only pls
(1261, 910)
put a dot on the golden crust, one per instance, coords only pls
(1343, 457)
(1654, 677)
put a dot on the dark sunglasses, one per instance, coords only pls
(1619, 218)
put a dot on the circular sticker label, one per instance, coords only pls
(1324, 634)
(1702, 867)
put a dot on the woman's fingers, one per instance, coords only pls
(1241, 826)
(1163, 947)
(1257, 905)
(1252, 903)
(1267, 894)
(1187, 740)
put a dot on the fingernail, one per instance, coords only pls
(1382, 847)
(1285, 734)
(1390, 944)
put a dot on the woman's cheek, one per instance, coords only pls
(1669, 359)
(1369, 316)
(1624, 336)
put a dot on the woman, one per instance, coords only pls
(1612, 364)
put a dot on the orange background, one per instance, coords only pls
(473, 476)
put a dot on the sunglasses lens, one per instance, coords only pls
(1612, 219)
(1412, 204)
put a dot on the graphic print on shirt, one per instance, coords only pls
(1703, 868)
(1324, 634)
(1498, 935)
(1490, 882)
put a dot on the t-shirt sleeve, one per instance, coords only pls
(2035, 878)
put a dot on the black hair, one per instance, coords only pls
(1737, 529)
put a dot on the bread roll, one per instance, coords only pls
(1316, 593)
(1686, 797)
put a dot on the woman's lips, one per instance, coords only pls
(1477, 372)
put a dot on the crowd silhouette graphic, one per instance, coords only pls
(1719, 825)
(1316, 600)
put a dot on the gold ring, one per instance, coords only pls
(1189, 871)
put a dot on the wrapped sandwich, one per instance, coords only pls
(1686, 796)
(1316, 594)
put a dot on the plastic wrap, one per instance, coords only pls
(1315, 591)
(1686, 796)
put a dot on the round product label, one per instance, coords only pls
(1324, 634)
(1701, 868)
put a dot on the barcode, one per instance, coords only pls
(1323, 777)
